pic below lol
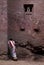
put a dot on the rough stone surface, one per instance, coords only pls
(3, 26)
(18, 19)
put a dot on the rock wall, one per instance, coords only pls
(23, 26)
(3, 26)
(26, 26)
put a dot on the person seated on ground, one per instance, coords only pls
(12, 49)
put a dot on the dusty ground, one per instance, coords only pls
(20, 62)
(27, 61)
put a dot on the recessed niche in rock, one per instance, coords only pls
(37, 30)
(22, 29)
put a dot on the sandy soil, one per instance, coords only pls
(20, 62)
(28, 61)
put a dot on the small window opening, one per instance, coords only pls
(28, 7)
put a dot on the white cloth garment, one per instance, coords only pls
(11, 45)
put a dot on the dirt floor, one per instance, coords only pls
(25, 61)
(20, 62)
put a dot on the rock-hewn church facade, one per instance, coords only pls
(22, 20)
